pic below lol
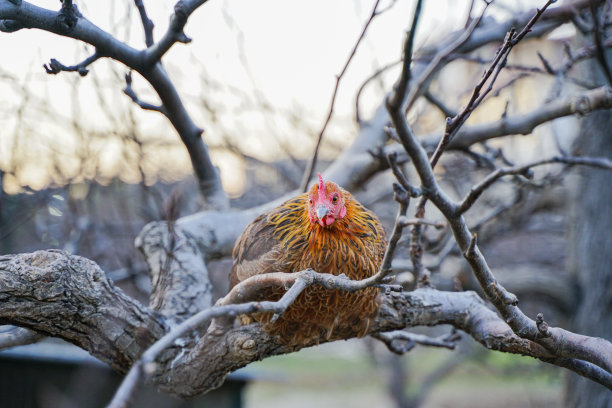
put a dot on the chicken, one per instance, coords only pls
(326, 230)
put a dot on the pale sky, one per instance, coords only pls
(285, 53)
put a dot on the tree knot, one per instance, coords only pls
(67, 17)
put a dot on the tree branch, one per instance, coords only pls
(397, 98)
(67, 296)
(182, 11)
(581, 103)
(525, 170)
(311, 164)
(11, 336)
(55, 67)
(78, 304)
(144, 62)
(599, 50)
(147, 24)
(437, 60)
(593, 351)
(129, 91)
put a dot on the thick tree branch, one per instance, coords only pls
(401, 341)
(593, 351)
(129, 91)
(78, 304)
(490, 76)
(182, 11)
(12, 336)
(65, 296)
(147, 24)
(180, 280)
(598, 31)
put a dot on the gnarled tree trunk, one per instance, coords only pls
(590, 250)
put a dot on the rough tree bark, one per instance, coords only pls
(70, 297)
(591, 251)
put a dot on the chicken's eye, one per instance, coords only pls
(310, 200)
(335, 200)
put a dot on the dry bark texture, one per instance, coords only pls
(69, 297)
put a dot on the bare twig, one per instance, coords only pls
(129, 91)
(133, 377)
(311, 164)
(580, 103)
(401, 177)
(182, 11)
(438, 103)
(405, 221)
(453, 125)
(401, 341)
(398, 97)
(525, 170)
(147, 24)
(55, 67)
(542, 325)
(12, 336)
(403, 199)
(440, 57)
(363, 85)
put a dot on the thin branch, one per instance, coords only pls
(129, 91)
(133, 378)
(12, 336)
(128, 387)
(405, 221)
(401, 341)
(399, 174)
(581, 103)
(398, 96)
(403, 199)
(182, 11)
(453, 125)
(438, 103)
(312, 163)
(440, 57)
(55, 67)
(363, 85)
(525, 170)
(147, 24)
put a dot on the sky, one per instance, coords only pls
(258, 75)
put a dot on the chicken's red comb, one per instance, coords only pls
(321, 183)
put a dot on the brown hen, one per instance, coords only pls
(326, 230)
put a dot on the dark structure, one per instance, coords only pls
(54, 374)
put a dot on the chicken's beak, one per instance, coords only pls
(321, 212)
